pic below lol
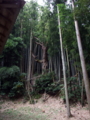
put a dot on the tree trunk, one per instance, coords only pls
(22, 53)
(82, 94)
(64, 71)
(44, 60)
(68, 66)
(28, 84)
(83, 65)
(60, 66)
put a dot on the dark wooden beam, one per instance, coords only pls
(4, 27)
(1, 41)
(9, 5)
(2, 34)
(5, 18)
(9, 11)
(0, 1)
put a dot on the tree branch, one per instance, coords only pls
(39, 43)
(40, 61)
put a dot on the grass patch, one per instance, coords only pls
(23, 113)
(1, 102)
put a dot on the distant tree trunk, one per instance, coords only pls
(68, 63)
(22, 53)
(64, 71)
(30, 57)
(72, 67)
(28, 84)
(44, 60)
(33, 60)
(59, 67)
(50, 64)
(83, 65)
(82, 94)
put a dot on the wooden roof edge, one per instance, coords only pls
(3, 41)
(12, 3)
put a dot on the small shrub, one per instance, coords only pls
(11, 81)
(17, 89)
(74, 90)
(47, 84)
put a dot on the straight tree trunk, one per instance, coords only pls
(28, 84)
(68, 66)
(72, 67)
(59, 66)
(82, 94)
(83, 65)
(21, 35)
(29, 62)
(64, 71)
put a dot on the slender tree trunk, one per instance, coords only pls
(68, 63)
(29, 64)
(72, 67)
(83, 65)
(33, 60)
(60, 66)
(64, 71)
(51, 64)
(55, 65)
(22, 54)
(82, 94)
(28, 84)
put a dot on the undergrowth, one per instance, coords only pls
(11, 82)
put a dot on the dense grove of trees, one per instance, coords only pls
(50, 45)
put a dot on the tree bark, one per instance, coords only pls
(68, 66)
(83, 65)
(28, 84)
(22, 53)
(44, 60)
(64, 71)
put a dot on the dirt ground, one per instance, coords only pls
(52, 109)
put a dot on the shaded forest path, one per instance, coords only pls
(52, 109)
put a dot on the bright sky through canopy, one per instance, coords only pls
(40, 2)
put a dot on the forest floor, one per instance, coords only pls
(51, 109)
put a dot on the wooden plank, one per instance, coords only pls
(2, 34)
(3, 26)
(0, 1)
(9, 11)
(7, 22)
(1, 41)
(5, 18)
(7, 33)
(9, 5)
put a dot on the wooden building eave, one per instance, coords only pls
(9, 10)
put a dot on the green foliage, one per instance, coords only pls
(53, 88)
(83, 6)
(68, 34)
(17, 89)
(47, 32)
(46, 84)
(35, 95)
(12, 52)
(9, 72)
(11, 82)
(74, 90)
